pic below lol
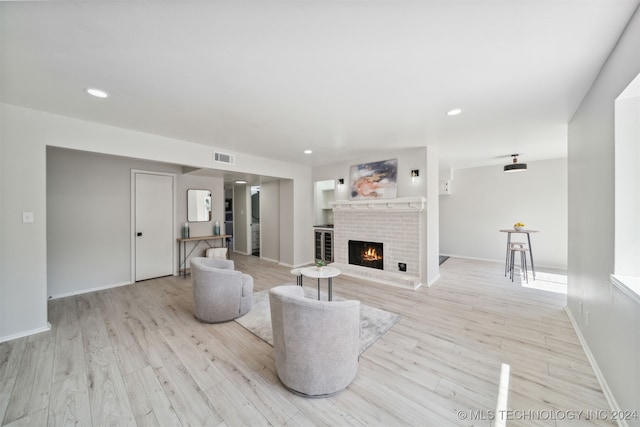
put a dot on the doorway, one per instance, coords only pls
(152, 224)
(255, 220)
(323, 199)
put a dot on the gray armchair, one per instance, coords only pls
(316, 343)
(220, 293)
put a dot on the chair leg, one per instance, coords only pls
(511, 262)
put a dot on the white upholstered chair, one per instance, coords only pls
(316, 343)
(220, 293)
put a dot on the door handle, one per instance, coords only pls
(138, 234)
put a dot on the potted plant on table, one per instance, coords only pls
(319, 264)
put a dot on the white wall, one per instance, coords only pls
(605, 323)
(89, 219)
(287, 231)
(202, 182)
(23, 247)
(432, 212)
(485, 199)
(26, 134)
(408, 159)
(322, 201)
(270, 220)
(198, 182)
(241, 215)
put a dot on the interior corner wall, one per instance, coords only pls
(270, 221)
(286, 219)
(432, 214)
(23, 247)
(591, 296)
(302, 201)
(485, 200)
(241, 214)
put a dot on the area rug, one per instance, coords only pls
(373, 322)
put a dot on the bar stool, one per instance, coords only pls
(523, 261)
(296, 272)
(507, 266)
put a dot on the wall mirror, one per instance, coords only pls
(198, 205)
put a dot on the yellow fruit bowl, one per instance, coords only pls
(518, 226)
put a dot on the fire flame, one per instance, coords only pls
(370, 254)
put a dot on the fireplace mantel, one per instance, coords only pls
(405, 204)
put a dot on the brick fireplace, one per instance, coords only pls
(396, 224)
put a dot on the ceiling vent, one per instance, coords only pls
(219, 157)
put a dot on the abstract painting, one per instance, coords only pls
(377, 180)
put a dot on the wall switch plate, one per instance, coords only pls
(27, 217)
(402, 266)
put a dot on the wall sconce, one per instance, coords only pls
(415, 173)
(340, 181)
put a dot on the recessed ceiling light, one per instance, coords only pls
(308, 151)
(98, 93)
(240, 181)
(454, 112)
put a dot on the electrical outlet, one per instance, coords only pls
(402, 266)
(27, 217)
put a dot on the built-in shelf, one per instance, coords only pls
(406, 204)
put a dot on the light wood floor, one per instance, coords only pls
(135, 355)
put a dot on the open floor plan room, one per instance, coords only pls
(136, 355)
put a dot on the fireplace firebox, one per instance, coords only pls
(366, 254)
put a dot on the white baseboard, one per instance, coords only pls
(611, 400)
(434, 280)
(304, 264)
(471, 258)
(86, 291)
(285, 264)
(501, 261)
(242, 253)
(25, 333)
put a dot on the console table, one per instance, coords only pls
(182, 248)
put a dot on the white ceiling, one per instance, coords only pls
(273, 78)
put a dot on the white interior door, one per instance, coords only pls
(153, 225)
